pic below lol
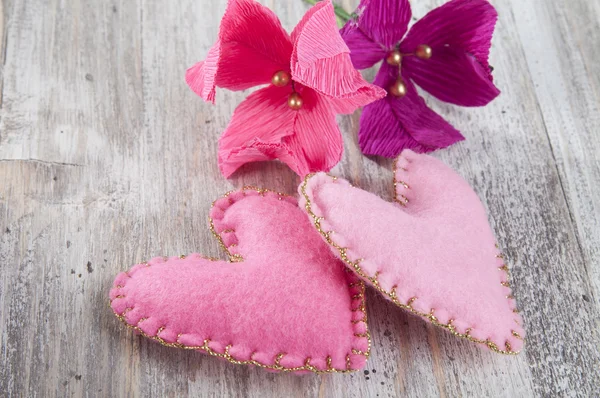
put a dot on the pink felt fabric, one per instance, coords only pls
(433, 244)
(282, 293)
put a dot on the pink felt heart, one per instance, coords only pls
(283, 302)
(431, 252)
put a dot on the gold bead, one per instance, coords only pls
(424, 51)
(281, 79)
(295, 101)
(394, 58)
(398, 89)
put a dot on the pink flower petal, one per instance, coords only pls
(321, 61)
(257, 129)
(364, 52)
(201, 77)
(317, 143)
(451, 76)
(307, 17)
(463, 25)
(252, 46)
(392, 124)
(263, 128)
(384, 21)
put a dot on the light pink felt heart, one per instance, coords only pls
(431, 252)
(283, 302)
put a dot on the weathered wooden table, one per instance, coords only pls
(107, 159)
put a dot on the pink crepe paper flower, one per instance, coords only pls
(445, 53)
(310, 77)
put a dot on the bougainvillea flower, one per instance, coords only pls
(445, 53)
(311, 78)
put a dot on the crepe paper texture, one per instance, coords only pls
(310, 77)
(282, 302)
(445, 53)
(431, 251)
(342, 15)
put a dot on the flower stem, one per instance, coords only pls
(342, 15)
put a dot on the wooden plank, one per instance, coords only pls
(566, 75)
(72, 88)
(2, 48)
(557, 41)
(107, 159)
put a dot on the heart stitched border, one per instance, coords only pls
(158, 332)
(348, 217)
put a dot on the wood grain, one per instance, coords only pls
(107, 159)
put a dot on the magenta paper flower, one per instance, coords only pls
(445, 53)
(310, 77)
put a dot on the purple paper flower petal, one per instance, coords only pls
(464, 25)
(384, 21)
(364, 52)
(392, 124)
(451, 76)
(381, 133)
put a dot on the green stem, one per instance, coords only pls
(342, 15)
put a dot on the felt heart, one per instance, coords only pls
(282, 302)
(431, 252)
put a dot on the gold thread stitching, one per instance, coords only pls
(392, 295)
(226, 355)
(404, 200)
